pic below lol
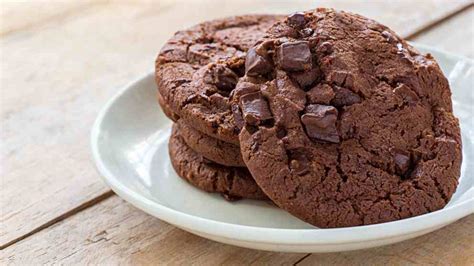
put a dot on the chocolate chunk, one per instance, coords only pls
(256, 64)
(244, 87)
(306, 78)
(254, 108)
(344, 97)
(298, 162)
(341, 78)
(402, 162)
(320, 122)
(238, 119)
(219, 101)
(321, 93)
(407, 94)
(296, 20)
(281, 132)
(294, 56)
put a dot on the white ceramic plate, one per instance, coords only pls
(129, 144)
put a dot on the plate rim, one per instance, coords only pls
(301, 237)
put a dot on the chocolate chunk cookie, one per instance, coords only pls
(210, 148)
(345, 124)
(232, 182)
(201, 99)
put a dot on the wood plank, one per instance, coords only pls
(458, 28)
(55, 78)
(49, 102)
(15, 16)
(452, 245)
(114, 232)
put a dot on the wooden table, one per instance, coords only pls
(61, 61)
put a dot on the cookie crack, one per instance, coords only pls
(440, 193)
(394, 84)
(339, 170)
(371, 163)
(388, 198)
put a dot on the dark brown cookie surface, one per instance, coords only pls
(215, 150)
(231, 182)
(345, 124)
(201, 99)
(166, 109)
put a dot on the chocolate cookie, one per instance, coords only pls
(210, 148)
(166, 109)
(232, 182)
(202, 100)
(346, 124)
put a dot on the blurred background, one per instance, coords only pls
(60, 61)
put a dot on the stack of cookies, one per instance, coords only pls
(330, 115)
(193, 91)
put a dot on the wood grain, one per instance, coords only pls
(50, 97)
(113, 232)
(452, 245)
(16, 16)
(460, 28)
(55, 78)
